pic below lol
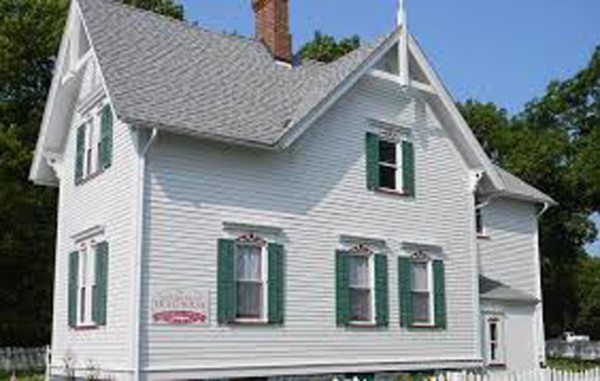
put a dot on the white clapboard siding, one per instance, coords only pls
(315, 191)
(509, 254)
(107, 200)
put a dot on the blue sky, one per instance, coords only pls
(503, 51)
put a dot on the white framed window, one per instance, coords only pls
(479, 222)
(250, 278)
(479, 219)
(90, 139)
(390, 165)
(89, 144)
(494, 340)
(362, 286)
(86, 283)
(421, 287)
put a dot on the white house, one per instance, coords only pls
(226, 214)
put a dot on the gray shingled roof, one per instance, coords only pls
(520, 189)
(171, 75)
(490, 289)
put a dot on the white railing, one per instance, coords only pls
(533, 375)
(585, 350)
(23, 359)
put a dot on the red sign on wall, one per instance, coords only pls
(180, 307)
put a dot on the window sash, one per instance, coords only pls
(361, 285)
(479, 221)
(421, 290)
(251, 287)
(250, 297)
(494, 337)
(86, 285)
(361, 304)
(421, 313)
(397, 167)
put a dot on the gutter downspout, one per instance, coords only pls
(140, 251)
(478, 176)
(544, 210)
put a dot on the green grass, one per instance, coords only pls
(572, 364)
(29, 376)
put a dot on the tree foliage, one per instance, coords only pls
(325, 48)
(589, 297)
(30, 33)
(163, 7)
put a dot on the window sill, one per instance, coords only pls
(90, 177)
(86, 327)
(392, 192)
(250, 322)
(483, 236)
(497, 365)
(361, 324)
(426, 327)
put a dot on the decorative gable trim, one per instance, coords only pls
(446, 101)
(61, 92)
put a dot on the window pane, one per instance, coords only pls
(83, 268)
(387, 177)
(360, 304)
(249, 299)
(479, 221)
(419, 276)
(493, 351)
(387, 152)
(420, 304)
(359, 271)
(493, 332)
(82, 304)
(249, 262)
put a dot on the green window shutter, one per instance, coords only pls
(439, 289)
(73, 280)
(100, 293)
(372, 153)
(404, 291)
(226, 291)
(107, 137)
(79, 153)
(381, 290)
(276, 283)
(342, 281)
(408, 168)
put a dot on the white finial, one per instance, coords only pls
(403, 46)
(401, 18)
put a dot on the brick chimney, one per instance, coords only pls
(273, 27)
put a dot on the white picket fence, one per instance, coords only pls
(533, 375)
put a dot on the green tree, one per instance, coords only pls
(30, 32)
(164, 7)
(325, 48)
(588, 320)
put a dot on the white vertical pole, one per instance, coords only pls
(403, 60)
